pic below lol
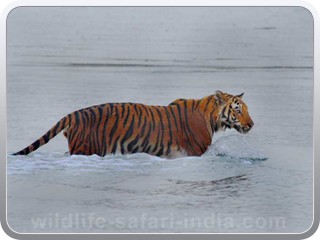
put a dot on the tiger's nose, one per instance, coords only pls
(250, 125)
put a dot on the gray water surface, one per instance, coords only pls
(63, 59)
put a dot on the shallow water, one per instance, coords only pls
(60, 60)
(222, 192)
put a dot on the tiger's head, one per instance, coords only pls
(234, 112)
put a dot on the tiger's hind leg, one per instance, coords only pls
(80, 142)
(66, 134)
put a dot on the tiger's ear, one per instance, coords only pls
(240, 95)
(220, 97)
(219, 93)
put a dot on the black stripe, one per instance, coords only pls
(135, 107)
(207, 104)
(127, 134)
(75, 130)
(143, 126)
(104, 145)
(212, 122)
(229, 111)
(69, 119)
(93, 115)
(145, 108)
(89, 139)
(81, 135)
(115, 145)
(93, 134)
(222, 112)
(63, 123)
(139, 116)
(180, 116)
(135, 149)
(147, 137)
(86, 117)
(127, 116)
(54, 131)
(162, 127)
(160, 152)
(152, 119)
(98, 141)
(170, 132)
(174, 117)
(84, 123)
(36, 144)
(193, 103)
(111, 105)
(147, 149)
(76, 116)
(46, 137)
(113, 130)
(133, 143)
(197, 104)
(157, 141)
(123, 108)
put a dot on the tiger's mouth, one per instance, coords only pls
(243, 130)
(240, 129)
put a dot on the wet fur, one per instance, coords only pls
(184, 127)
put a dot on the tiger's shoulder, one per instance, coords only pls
(181, 100)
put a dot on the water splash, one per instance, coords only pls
(233, 147)
(237, 146)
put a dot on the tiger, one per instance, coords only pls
(185, 127)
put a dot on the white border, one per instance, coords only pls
(312, 5)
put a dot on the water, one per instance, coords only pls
(63, 59)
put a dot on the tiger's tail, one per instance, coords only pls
(57, 128)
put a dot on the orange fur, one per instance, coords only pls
(186, 126)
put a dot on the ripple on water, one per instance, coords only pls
(232, 148)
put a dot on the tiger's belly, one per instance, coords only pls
(87, 148)
(90, 143)
(174, 152)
